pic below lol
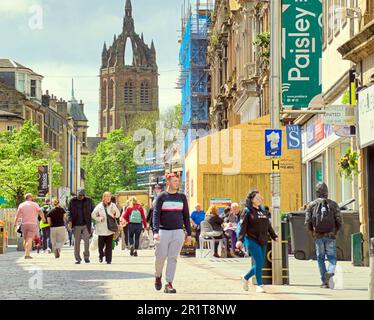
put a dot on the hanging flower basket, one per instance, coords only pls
(348, 164)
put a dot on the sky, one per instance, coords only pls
(63, 39)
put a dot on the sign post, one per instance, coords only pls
(301, 52)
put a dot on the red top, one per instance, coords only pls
(128, 213)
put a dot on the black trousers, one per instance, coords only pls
(126, 233)
(105, 242)
(46, 238)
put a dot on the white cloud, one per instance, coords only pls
(12, 7)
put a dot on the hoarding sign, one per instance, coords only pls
(301, 52)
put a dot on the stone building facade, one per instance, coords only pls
(359, 50)
(239, 68)
(127, 88)
(20, 92)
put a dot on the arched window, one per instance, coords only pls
(129, 54)
(129, 92)
(144, 92)
(111, 94)
(104, 92)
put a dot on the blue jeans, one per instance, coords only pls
(326, 247)
(135, 229)
(258, 254)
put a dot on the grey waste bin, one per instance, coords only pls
(302, 242)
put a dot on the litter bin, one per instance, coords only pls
(2, 238)
(357, 249)
(302, 242)
(267, 271)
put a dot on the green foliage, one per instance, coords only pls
(145, 121)
(111, 167)
(263, 42)
(21, 152)
(172, 117)
(348, 164)
(345, 98)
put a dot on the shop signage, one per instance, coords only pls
(273, 142)
(43, 185)
(275, 165)
(319, 131)
(294, 137)
(301, 52)
(310, 134)
(343, 115)
(366, 117)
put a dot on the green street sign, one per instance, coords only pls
(301, 52)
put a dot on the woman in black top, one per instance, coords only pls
(216, 222)
(57, 219)
(254, 231)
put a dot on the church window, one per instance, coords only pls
(144, 92)
(129, 92)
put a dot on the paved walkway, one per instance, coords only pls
(132, 278)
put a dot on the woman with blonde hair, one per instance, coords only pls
(57, 219)
(102, 213)
(135, 218)
(216, 222)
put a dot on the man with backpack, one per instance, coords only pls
(135, 217)
(323, 220)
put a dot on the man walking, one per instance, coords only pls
(80, 210)
(169, 215)
(45, 228)
(28, 211)
(323, 220)
(197, 217)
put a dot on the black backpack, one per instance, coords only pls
(323, 219)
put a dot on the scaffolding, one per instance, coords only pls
(194, 70)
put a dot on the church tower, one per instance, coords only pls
(128, 82)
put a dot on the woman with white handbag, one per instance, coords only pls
(105, 215)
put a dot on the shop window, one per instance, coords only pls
(317, 172)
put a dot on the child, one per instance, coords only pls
(37, 243)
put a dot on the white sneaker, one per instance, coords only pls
(260, 289)
(245, 284)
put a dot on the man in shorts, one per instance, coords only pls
(28, 211)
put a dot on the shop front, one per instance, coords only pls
(323, 147)
(366, 145)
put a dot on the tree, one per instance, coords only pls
(172, 117)
(111, 167)
(21, 152)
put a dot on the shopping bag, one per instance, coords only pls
(145, 241)
(94, 242)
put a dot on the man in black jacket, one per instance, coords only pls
(80, 209)
(323, 220)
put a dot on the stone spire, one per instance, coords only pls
(128, 9)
